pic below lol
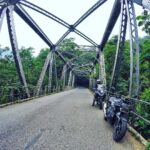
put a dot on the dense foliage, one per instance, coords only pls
(123, 80)
(10, 86)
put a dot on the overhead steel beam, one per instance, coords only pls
(87, 65)
(27, 18)
(76, 57)
(89, 12)
(2, 14)
(60, 55)
(81, 19)
(63, 37)
(8, 2)
(85, 37)
(111, 22)
(58, 20)
(14, 45)
(110, 25)
(44, 12)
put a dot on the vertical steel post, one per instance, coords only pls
(102, 72)
(63, 76)
(56, 76)
(73, 81)
(41, 78)
(70, 79)
(134, 50)
(14, 45)
(90, 82)
(50, 73)
(120, 45)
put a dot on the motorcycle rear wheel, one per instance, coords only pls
(120, 129)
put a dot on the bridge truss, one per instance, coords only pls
(123, 8)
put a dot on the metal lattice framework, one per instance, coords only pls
(123, 8)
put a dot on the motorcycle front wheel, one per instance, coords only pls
(120, 129)
(104, 110)
(101, 105)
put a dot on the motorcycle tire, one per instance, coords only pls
(93, 104)
(100, 106)
(119, 131)
(104, 111)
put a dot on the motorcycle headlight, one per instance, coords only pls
(124, 107)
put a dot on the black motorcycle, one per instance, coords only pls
(99, 97)
(116, 112)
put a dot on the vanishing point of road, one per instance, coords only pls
(63, 121)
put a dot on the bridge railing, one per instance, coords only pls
(139, 120)
(11, 94)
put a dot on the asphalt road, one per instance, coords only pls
(64, 121)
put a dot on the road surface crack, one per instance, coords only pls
(34, 140)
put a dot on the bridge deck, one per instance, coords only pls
(64, 121)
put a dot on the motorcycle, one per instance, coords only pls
(99, 97)
(116, 112)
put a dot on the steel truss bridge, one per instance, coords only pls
(123, 8)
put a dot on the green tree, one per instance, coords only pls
(144, 22)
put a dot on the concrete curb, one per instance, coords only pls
(29, 99)
(137, 135)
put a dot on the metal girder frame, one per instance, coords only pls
(27, 18)
(55, 71)
(81, 19)
(81, 73)
(111, 22)
(49, 15)
(14, 45)
(86, 65)
(134, 50)
(73, 81)
(63, 76)
(120, 45)
(77, 57)
(62, 22)
(102, 72)
(110, 25)
(41, 78)
(70, 78)
(2, 14)
(45, 13)
(50, 77)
